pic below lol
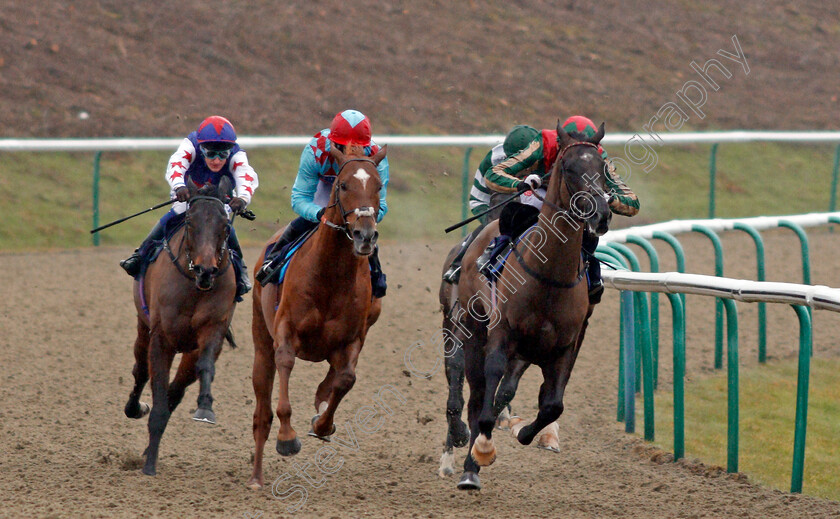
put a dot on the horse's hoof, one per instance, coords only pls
(288, 447)
(469, 481)
(312, 433)
(204, 415)
(254, 484)
(138, 411)
(149, 471)
(483, 451)
(549, 439)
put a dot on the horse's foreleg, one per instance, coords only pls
(454, 367)
(134, 408)
(160, 361)
(205, 367)
(284, 359)
(344, 364)
(322, 394)
(483, 449)
(185, 376)
(507, 387)
(474, 368)
(555, 377)
(262, 377)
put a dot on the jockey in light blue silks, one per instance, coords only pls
(315, 177)
(204, 156)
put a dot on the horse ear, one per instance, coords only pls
(379, 155)
(336, 154)
(598, 136)
(225, 187)
(563, 138)
(191, 186)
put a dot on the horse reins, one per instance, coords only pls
(359, 211)
(185, 246)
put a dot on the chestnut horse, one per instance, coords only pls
(184, 303)
(542, 320)
(322, 311)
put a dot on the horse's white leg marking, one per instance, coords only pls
(516, 425)
(447, 463)
(484, 451)
(549, 437)
(322, 407)
(363, 176)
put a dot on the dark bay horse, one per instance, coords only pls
(322, 311)
(185, 303)
(536, 312)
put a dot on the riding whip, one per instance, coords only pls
(115, 222)
(522, 188)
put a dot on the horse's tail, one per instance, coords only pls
(229, 337)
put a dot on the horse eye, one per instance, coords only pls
(343, 186)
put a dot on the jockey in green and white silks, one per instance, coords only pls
(526, 156)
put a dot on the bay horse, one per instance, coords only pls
(323, 309)
(543, 319)
(185, 304)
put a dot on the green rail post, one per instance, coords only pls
(678, 252)
(678, 327)
(762, 306)
(628, 382)
(832, 205)
(465, 190)
(641, 320)
(712, 175)
(608, 253)
(806, 258)
(654, 303)
(96, 159)
(718, 303)
(732, 385)
(802, 383)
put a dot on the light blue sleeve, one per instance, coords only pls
(306, 183)
(383, 176)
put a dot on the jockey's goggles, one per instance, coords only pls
(215, 154)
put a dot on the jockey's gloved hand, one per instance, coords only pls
(321, 213)
(237, 205)
(182, 194)
(533, 180)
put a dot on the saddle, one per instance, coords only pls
(280, 258)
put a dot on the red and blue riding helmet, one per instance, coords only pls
(350, 127)
(216, 129)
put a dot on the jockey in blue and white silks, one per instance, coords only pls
(204, 157)
(315, 177)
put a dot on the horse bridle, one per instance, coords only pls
(359, 211)
(518, 255)
(185, 241)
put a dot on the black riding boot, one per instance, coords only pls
(296, 228)
(243, 284)
(133, 264)
(378, 285)
(487, 260)
(453, 273)
(593, 271)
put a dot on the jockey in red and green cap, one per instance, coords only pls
(528, 160)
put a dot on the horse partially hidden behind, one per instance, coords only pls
(322, 311)
(535, 313)
(185, 304)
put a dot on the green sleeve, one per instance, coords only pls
(506, 176)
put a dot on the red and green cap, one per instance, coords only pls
(580, 127)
